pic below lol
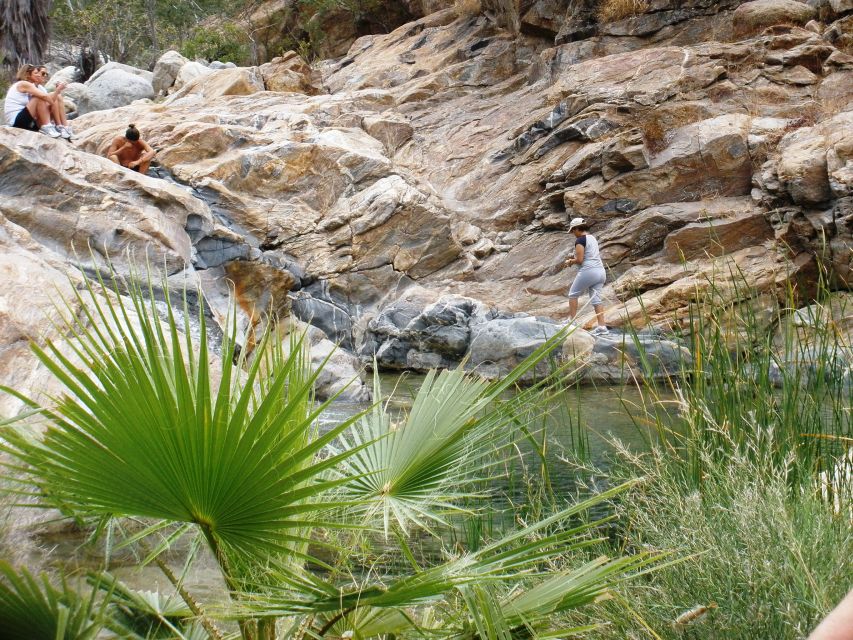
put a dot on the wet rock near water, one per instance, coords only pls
(318, 308)
(419, 332)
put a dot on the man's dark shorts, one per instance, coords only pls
(25, 120)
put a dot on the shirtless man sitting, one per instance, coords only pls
(130, 151)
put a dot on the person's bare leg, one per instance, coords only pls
(39, 111)
(599, 314)
(114, 158)
(143, 168)
(573, 308)
(57, 111)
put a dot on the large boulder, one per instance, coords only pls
(67, 75)
(189, 72)
(717, 237)
(166, 71)
(421, 330)
(113, 66)
(710, 157)
(289, 72)
(753, 17)
(645, 234)
(623, 357)
(500, 345)
(324, 312)
(241, 81)
(75, 92)
(114, 87)
(34, 279)
(802, 169)
(90, 209)
(340, 377)
(394, 223)
(815, 164)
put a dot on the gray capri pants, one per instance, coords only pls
(592, 279)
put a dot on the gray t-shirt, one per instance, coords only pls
(591, 257)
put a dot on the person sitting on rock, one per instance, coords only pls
(57, 109)
(30, 107)
(131, 151)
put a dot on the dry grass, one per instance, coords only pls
(654, 134)
(657, 126)
(467, 8)
(613, 10)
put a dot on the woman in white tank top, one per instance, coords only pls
(28, 106)
(591, 275)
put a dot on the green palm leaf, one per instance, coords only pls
(148, 615)
(519, 553)
(33, 609)
(143, 430)
(417, 469)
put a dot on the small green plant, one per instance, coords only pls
(226, 42)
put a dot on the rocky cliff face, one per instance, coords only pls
(708, 142)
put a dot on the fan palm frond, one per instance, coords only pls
(146, 429)
(417, 468)
(518, 556)
(31, 608)
(148, 615)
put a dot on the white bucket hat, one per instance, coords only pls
(576, 222)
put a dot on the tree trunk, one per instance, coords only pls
(151, 13)
(23, 31)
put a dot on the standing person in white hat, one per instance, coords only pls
(591, 275)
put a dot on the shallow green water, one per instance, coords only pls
(604, 414)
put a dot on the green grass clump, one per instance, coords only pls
(737, 481)
(763, 561)
(758, 366)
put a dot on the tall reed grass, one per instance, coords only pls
(759, 561)
(749, 479)
(764, 378)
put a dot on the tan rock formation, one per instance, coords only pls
(289, 73)
(89, 208)
(223, 82)
(450, 153)
(752, 18)
(35, 281)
